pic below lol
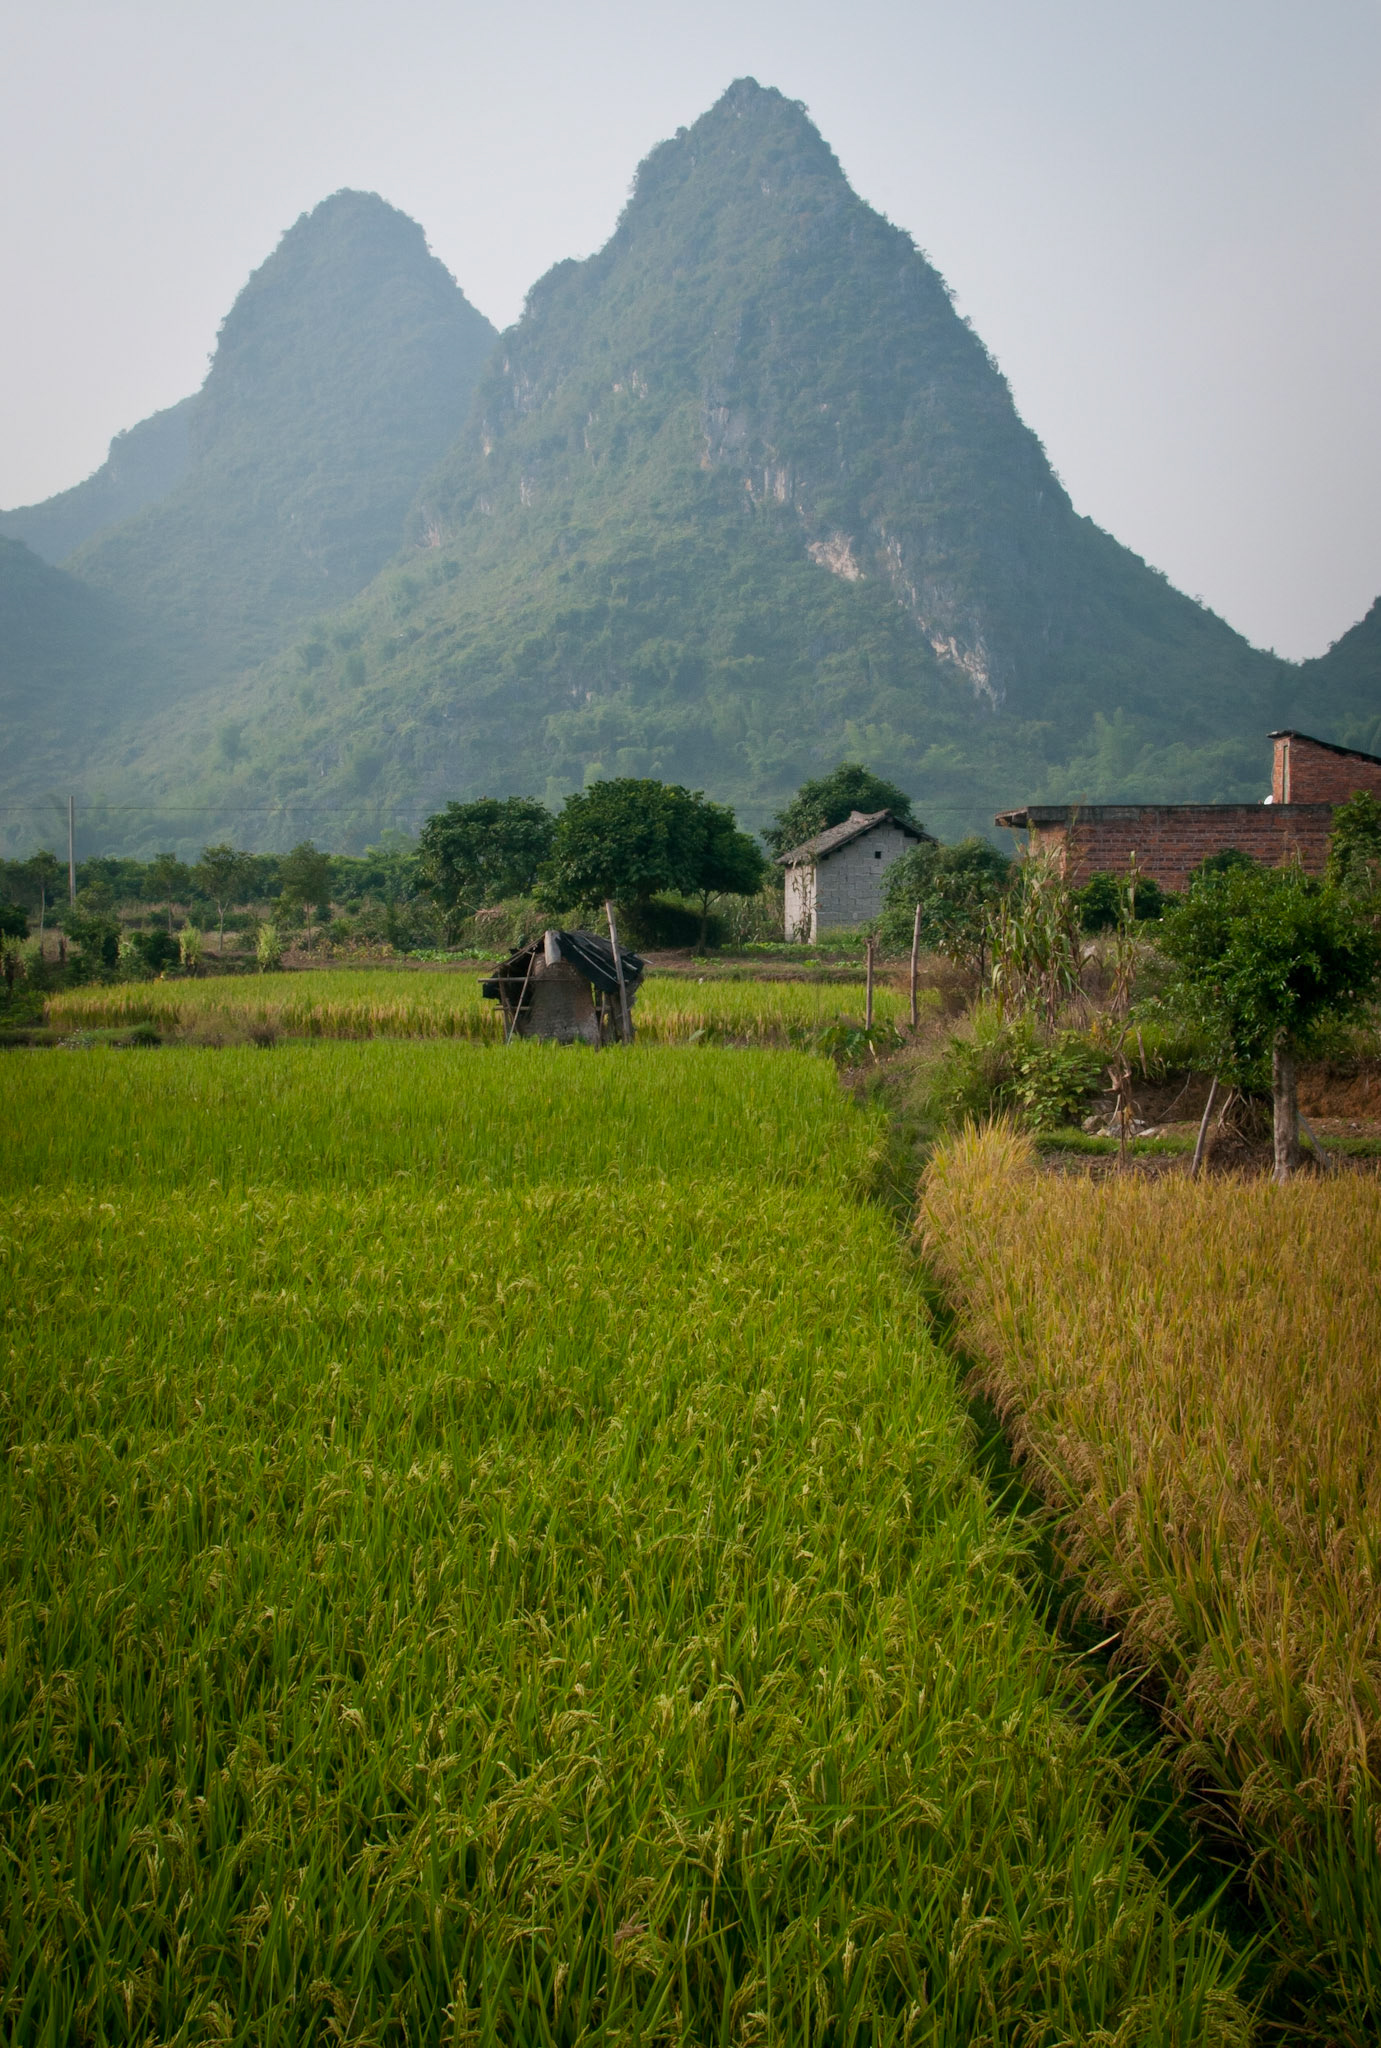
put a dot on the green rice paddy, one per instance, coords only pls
(491, 1553)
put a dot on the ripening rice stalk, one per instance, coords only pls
(529, 1591)
(384, 1003)
(1193, 1373)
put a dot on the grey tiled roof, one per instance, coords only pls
(853, 827)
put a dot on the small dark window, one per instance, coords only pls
(878, 854)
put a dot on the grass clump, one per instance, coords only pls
(1189, 1371)
(524, 1600)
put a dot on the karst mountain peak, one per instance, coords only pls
(736, 496)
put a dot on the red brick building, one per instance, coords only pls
(1309, 779)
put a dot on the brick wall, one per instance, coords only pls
(1170, 839)
(1306, 772)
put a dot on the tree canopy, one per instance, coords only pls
(473, 854)
(1265, 959)
(1354, 848)
(631, 838)
(956, 888)
(830, 799)
(223, 873)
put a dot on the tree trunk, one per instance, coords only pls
(1285, 1097)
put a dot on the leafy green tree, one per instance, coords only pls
(155, 951)
(728, 863)
(98, 937)
(829, 800)
(1221, 863)
(1354, 848)
(44, 872)
(626, 839)
(222, 874)
(956, 887)
(472, 854)
(305, 875)
(1265, 958)
(167, 881)
(1101, 901)
(14, 921)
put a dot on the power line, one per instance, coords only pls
(188, 810)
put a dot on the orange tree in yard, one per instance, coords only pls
(1265, 958)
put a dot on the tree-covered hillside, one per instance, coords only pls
(70, 658)
(738, 495)
(342, 372)
(143, 465)
(344, 365)
(1339, 695)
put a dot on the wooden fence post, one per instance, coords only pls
(915, 962)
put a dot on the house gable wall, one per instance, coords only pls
(1304, 772)
(800, 901)
(848, 882)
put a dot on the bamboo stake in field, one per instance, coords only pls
(915, 962)
(1202, 1138)
(625, 1022)
(868, 988)
(1326, 1162)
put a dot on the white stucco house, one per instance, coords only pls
(836, 878)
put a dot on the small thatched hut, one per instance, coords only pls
(565, 985)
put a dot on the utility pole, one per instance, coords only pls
(71, 849)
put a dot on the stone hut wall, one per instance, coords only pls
(848, 882)
(559, 1005)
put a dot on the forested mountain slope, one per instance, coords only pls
(343, 370)
(740, 494)
(143, 465)
(1338, 696)
(70, 659)
(345, 363)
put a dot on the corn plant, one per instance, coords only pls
(1037, 952)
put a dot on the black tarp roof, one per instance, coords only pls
(590, 956)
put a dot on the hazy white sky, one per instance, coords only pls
(1163, 219)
